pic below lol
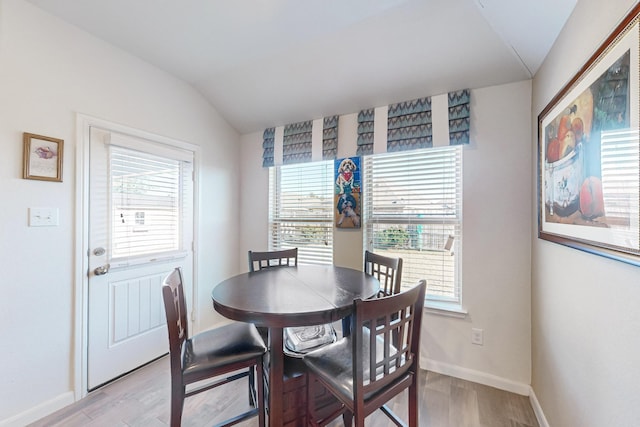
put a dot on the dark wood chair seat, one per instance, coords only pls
(220, 347)
(377, 361)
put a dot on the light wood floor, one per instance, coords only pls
(142, 399)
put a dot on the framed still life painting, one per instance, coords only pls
(347, 195)
(588, 153)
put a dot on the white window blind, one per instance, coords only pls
(150, 197)
(620, 160)
(413, 210)
(301, 210)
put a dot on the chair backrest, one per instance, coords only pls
(386, 339)
(175, 309)
(262, 260)
(387, 270)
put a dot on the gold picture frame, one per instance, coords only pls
(42, 157)
(588, 152)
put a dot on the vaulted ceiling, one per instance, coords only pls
(262, 63)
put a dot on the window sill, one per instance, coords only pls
(445, 309)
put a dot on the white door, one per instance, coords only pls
(140, 228)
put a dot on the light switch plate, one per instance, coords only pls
(43, 217)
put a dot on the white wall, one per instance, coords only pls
(49, 71)
(585, 318)
(496, 255)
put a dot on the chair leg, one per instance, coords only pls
(261, 402)
(413, 403)
(177, 404)
(252, 387)
(346, 326)
(310, 401)
(347, 418)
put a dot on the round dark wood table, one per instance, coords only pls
(290, 296)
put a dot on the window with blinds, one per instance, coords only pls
(301, 210)
(150, 196)
(413, 210)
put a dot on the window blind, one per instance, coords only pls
(413, 206)
(149, 198)
(301, 210)
(620, 160)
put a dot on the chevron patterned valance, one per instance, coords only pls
(330, 138)
(409, 125)
(296, 144)
(365, 132)
(268, 142)
(459, 117)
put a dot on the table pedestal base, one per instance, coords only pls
(294, 398)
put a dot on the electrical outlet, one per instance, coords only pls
(476, 336)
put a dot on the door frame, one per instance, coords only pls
(81, 306)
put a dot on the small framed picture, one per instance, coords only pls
(42, 157)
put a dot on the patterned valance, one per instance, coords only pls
(365, 132)
(330, 138)
(296, 144)
(268, 142)
(459, 117)
(409, 125)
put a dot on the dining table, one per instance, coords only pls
(281, 297)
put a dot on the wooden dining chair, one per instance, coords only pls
(388, 271)
(269, 259)
(368, 368)
(209, 354)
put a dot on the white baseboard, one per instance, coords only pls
(476, 377)
(537, 409)
(40, 411)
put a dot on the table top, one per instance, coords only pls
(293, 296)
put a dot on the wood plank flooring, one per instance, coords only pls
(142, 399)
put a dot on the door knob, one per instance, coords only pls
(103, 269)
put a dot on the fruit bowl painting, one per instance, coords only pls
(589, 152)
